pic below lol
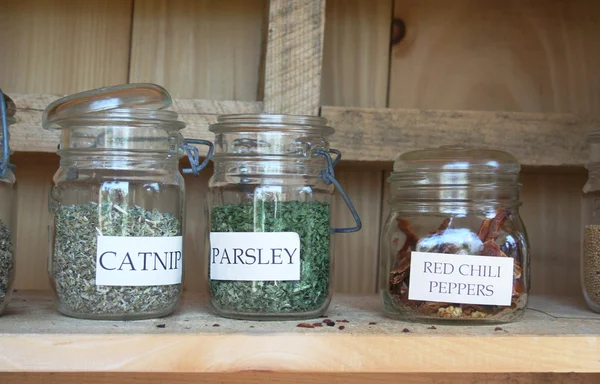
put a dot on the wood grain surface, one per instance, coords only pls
(294, 57)
(356, 53)
(529, 56)
(375, 134)
(203, 49)
(63, 46)
(35, 338)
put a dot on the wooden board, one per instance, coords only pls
(552, 213)
(530, 56)
(356, 53)
(293, 57)
(35, 338)
(198, 48)
(63, 46)
(356, 254)
(295, 378)
(375, 135)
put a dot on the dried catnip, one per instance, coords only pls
(74, 264)
(6, 262)
(591, 263)
(310, 220)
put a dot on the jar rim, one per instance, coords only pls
(248, 122)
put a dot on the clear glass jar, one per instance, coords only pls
(270, 248)
(117, 245)
(7, 225)
(590, 216)
(454, 247)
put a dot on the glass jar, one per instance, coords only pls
(454, 247)
(117, 245)
(7, 181)
(270, 248)
(590, 216)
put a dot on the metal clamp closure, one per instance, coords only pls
(194, 155)
(328, 176)
(6, 150)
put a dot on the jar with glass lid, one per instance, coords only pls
(590, 215)
(454, 247)
(117, 245)
(269, 203)
(7, 225)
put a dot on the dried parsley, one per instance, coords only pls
(310, 220)
(74, 262)
(6, 262)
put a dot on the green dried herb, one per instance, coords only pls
(6, 261)
(74, 262)
(311, 221)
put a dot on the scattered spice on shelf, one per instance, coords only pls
(6, 260)
(405, 330)
(498, 329)
(432, 327)
(305, 325)
(74, 262)
(341, 327)
(482, 243)
(218, 325)
(372, 323)
(318, 324)
(161, 326)
(310, 220)
(342, 321)
(591, 263)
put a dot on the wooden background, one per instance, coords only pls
(529, 56)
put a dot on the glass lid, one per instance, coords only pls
(150, 97)
(456, 158)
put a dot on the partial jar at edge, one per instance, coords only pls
(7, 200)
(450, 206)
(590, 216)
(269, 204)
(117, 204)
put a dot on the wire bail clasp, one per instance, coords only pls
(194, 156)
(6, 149)
(328, 175)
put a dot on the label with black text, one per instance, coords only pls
(449, 278)
(255, 256)
(139, 261)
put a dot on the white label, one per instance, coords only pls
(448, 278)
(139, 261)
(255, 256)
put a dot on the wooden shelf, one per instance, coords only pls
(557, 335)
(372, 134)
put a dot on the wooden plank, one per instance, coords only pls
(369, 134)
(35, 338)
(375, 135)
(355, 72)
(294, 55)
(356, 53)
(63, 46)
(34, 181)
(529, 56)
(294, 378)
(551, 212)
(27, 134)
(198, 48)
(356, 253)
